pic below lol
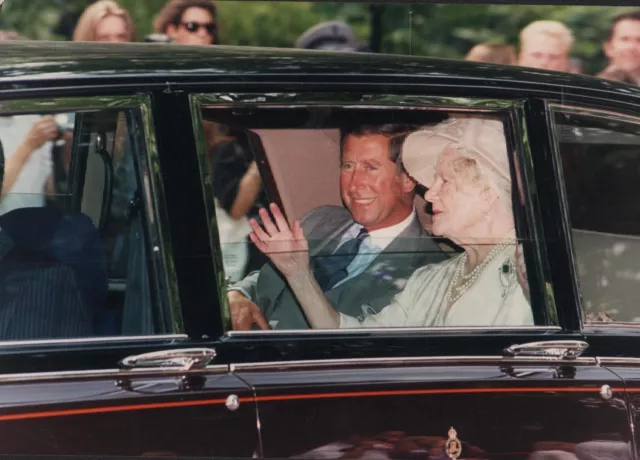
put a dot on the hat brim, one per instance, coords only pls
(420, 154)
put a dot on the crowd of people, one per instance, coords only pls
(543, 44)
(548, 45)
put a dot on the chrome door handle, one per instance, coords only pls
(559, 349)
(182, 359)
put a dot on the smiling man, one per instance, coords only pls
(361, 254)
(622, 48)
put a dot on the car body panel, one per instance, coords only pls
(387, 386)
(124, 413)
(500, 408)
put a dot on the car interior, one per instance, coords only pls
(80, 262)
(298, 155)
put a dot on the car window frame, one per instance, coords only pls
(552, 107)
(518, 147)
(151, 181)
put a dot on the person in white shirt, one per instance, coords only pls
(27, 142)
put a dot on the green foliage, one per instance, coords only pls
(444, 30)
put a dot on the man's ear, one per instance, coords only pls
(408, 184)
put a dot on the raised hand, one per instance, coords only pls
(285, 246)
(42, 131)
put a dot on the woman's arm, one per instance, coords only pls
(42, 131)
(288, 249)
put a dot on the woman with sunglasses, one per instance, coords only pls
(188, 22)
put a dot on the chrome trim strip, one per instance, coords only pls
(89, 340)
(351, 99)
(421, 360)
(618, 361)
(299, 99)
(527, 187)
(393, 330)
(595, 326)
(206, 182)
(158, 218)
(607, 114)
(68, 104)
(116, 374)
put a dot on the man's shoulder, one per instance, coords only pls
(327, 215)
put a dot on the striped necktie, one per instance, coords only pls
(332, 268)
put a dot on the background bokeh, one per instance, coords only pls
(419, 29)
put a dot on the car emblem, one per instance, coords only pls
(453, 447)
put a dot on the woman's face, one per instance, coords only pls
(112, 29)
(458, 200)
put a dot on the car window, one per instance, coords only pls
(601, 167)
(377, 208)
(80, 253)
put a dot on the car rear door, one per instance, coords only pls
(119, 369)
(493, 407)
(597, 148)
(517, 392)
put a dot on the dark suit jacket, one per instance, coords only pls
(364, 294)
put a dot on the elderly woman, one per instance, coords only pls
(464, 164)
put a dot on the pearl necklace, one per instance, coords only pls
(450, 298)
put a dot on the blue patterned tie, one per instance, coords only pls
(331, 269)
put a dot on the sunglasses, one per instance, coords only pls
(193, 27)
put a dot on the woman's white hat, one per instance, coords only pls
(478, 137)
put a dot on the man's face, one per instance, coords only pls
(372, 189)
(623, 49)
(196, 27)
(544, 52)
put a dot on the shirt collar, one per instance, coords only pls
(382, 237)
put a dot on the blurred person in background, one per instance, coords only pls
(622, 48)
(27, 142)
(493, 53)
(10, 35)
(105, 21)
(188, 22)
(239, 194)
(330, 36)
(545, 45)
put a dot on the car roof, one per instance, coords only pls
(26, 61)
